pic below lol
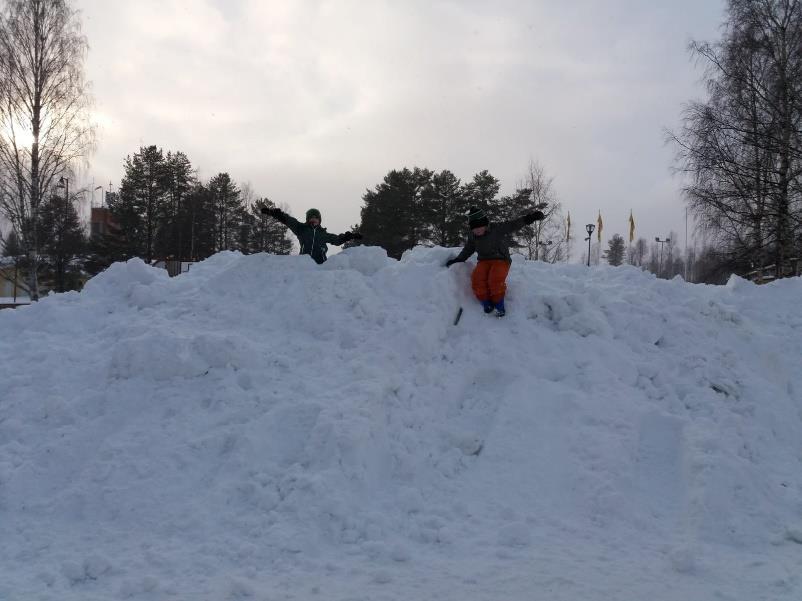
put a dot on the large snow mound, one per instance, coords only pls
(266, 428)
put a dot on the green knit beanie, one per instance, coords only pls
(477, 218)
(313, 213)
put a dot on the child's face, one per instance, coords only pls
(479, 231)
(314, 221)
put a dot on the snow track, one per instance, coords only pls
(266, 428)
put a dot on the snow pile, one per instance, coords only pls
(266, 428)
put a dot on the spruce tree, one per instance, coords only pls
(482, 192)
(228, 207)
(63, 241)
(200, 222)
(391, 215)
(616, 249)
(141, 206)
(178, 181)
(447, 207)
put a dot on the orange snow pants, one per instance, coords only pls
(489, 280)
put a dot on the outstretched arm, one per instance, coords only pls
(291, 222)
(514, 225)
(466, 252)
(339, 239)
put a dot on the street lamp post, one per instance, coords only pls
(660, 260)
(63, 182)
(589, 229)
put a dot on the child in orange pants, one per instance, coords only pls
(491, 243)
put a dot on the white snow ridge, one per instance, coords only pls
(264, 428)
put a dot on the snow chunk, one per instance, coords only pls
(367, 260)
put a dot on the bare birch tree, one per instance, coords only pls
(544, 240)
(44, 111)
(742, 147)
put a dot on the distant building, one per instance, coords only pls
(102, 223)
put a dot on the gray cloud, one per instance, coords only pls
(312, 102)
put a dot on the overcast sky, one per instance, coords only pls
(313, 102)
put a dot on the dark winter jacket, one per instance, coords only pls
(494, 244)
(313, 240)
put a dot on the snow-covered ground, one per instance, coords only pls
(265, 428)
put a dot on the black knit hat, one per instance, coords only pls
(477, 218)
(313, 213)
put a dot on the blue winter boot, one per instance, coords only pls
(500, 310)
(487, 306)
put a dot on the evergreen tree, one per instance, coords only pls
(178, 181)
(228, 210)
(446, 209)
(393, 215)
(482, 192)
(140, 206)
(200, 223)
(616, 250)
(105, 249)
(63, 241)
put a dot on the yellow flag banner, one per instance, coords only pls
(599, 226)
(631, 227)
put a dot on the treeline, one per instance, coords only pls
(162, 211)
(741, 148)
(165, 212)
(667, 260)
(419, 206)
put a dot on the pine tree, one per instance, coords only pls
(446, 209)
(200, 222)
(63, 241)
(615, 253)
(140, 206)
(178, 181)
(393, 215)
(482, 192)
(228, 207)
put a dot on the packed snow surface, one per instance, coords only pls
(266, 428)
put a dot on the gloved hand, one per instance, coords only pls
(357, 236)
(273, 212)
(450, 262)
(351, 236)
(532, 217)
